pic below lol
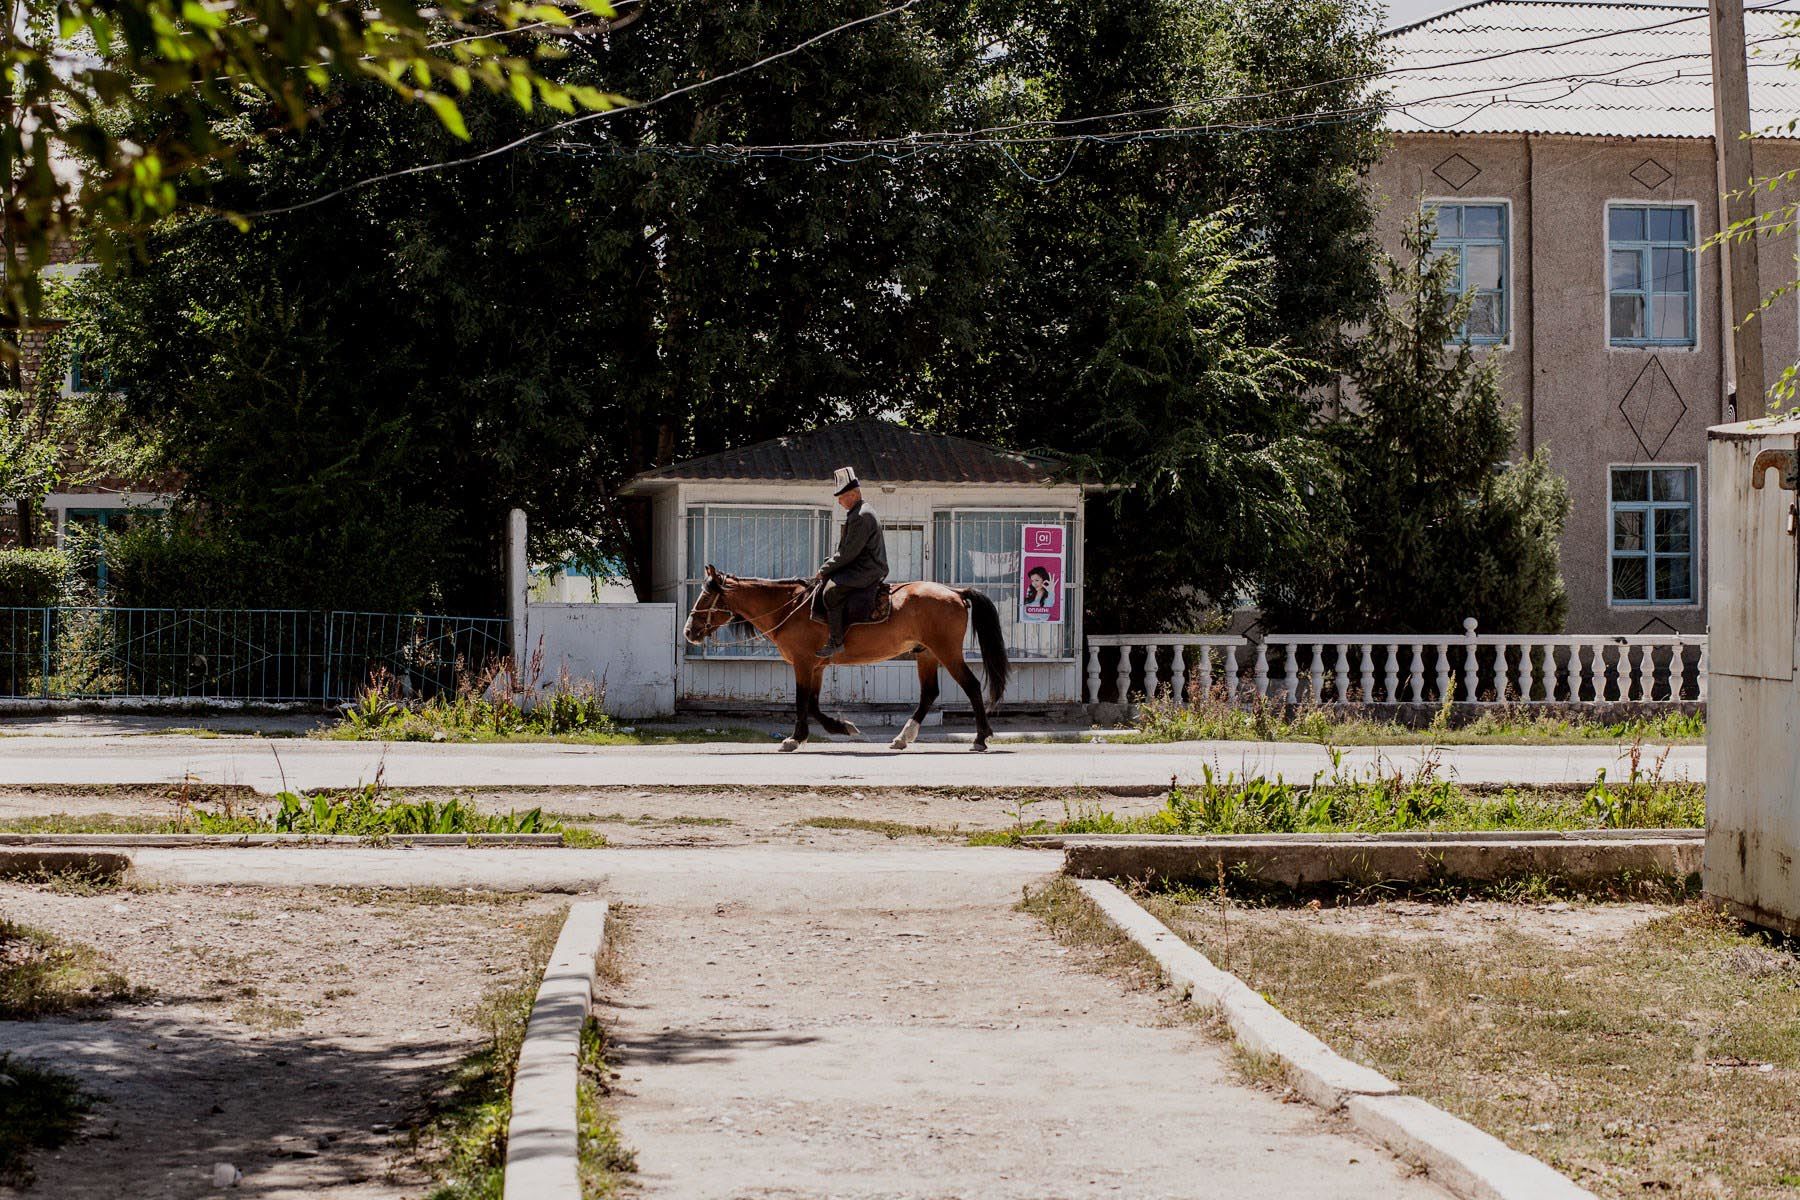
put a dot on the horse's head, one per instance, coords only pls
(711, 611)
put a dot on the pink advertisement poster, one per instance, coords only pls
(1041, 575)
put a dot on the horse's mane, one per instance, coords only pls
(735, 580)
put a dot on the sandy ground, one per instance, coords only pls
(295, 1034)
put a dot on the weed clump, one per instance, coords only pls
(39, 1110)
(484, 706)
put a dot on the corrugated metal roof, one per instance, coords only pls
(881, 452)
(1553, 66)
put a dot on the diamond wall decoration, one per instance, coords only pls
(1653, 408)
(1651, 174)
(1456, 171)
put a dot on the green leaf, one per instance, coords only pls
(447, 112)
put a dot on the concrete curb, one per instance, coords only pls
(200, 841)
(1470, 1163)
(543, 1138)
(1305, 860)
(32, 861)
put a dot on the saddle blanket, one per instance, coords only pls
(867, 606)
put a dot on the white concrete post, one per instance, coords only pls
(518, 593)
(1472, 667)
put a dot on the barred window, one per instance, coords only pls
(980, 548)
(761, 540)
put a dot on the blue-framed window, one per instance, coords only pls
(1653, 522)
(1476, 236)
(104, 521)
(85, 377)
(1650, 275)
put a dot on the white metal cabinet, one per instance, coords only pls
(1753, 717)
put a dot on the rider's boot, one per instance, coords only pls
(833, 645)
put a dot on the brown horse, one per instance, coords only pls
(929, 620)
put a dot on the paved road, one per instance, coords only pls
(884, 1025)
(269, 765)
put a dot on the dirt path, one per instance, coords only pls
(295, 1034)
(879, 1034)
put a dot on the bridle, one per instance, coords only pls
(715, 597)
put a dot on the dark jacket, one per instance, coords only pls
(861, 557)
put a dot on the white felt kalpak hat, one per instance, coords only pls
(844, 478)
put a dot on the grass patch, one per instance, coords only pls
(605, 1159)
(371, 811)
(650, 822)
(480, 711)
(887, 829)
(84, 823)
(1166, 721)
(39, 1110)
(464, 1141)
(1078, 923)
(269, 1016)
(1344, 801)
(1652, 1061)
(42, 975)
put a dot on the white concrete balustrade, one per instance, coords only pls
(1345, 669)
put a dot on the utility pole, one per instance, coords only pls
(1731, 127)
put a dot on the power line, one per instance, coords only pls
(1366, 77)
(900, 149)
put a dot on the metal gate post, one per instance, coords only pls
(46, 676)
(325, 687)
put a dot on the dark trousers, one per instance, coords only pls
(836, 597)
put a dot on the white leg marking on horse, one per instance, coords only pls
(850, 729)
(789, 744)
(906, 736)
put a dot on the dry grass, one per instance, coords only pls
(1657, 1057)
(42, 975)
(1078, 923)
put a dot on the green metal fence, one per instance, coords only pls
(270, 656)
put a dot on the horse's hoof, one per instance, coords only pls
(898, 743)
(850, 729)
(789, 745)
(980, 746)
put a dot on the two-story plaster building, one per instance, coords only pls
(1568, 149)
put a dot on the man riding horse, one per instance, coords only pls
(926, 621)
(860, 562)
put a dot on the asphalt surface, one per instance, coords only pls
(272, 764)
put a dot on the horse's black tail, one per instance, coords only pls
(991, 639)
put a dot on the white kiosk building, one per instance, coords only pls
(954, 510)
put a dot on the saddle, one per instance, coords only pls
(867, 605)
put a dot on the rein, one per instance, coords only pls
(793, 606)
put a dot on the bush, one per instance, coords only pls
(175, 564)
(32, 578)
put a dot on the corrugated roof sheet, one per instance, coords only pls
(881, 452)
(1551, 66)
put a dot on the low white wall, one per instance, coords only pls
(629, 649)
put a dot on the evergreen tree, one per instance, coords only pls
(1429, 522)
(1209, 428)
